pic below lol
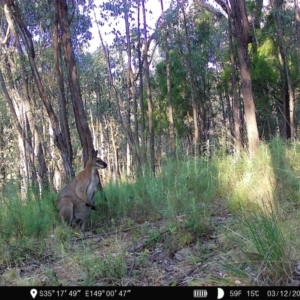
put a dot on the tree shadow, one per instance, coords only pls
(286, 166)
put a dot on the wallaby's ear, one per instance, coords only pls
(94, 153)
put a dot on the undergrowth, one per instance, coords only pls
(257, 198)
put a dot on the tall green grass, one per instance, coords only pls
(263, 194)
(29, 217)
(271, 176)
(182, 187)
(266, 256)
(260, 195)
(24, 222)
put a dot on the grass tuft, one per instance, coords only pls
(240, 212)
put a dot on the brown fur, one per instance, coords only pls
(76, 199)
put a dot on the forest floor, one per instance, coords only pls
(144, 254)
(198, 223)
(137, 252)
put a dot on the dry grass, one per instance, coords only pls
(223, 221)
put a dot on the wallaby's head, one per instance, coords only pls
(96, 162)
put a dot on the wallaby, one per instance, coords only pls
(76, 199)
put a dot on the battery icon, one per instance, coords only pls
(200, 293)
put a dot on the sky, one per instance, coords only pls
(155, 7)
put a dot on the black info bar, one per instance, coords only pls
(134, 292)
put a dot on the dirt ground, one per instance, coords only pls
(164, 259)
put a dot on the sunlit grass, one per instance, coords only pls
(183, 187)
(265, 256)
(258, 199)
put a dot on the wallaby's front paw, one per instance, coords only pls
(92, 206)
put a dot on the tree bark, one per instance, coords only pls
(241, 24)
(63, 116)
(24, 143)
(131, 94)
(114, 92)
(149, 92)
(28, 44)
(288, 92)
(22, 99)
(130, 79)
(169, 91)
(78, 108)
(191, 79)
(297, 21)
(141, 85)
(235, 104)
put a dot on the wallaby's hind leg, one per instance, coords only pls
(81, 213)
(66, 212)
(82, 226)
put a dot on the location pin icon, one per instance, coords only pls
(33, 293)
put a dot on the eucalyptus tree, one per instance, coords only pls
(283, 58)
(116, 72)
(112, 112)
(297, 20)
(180, 99)
(275, 69)
(237, 13)
(133, 46)
(241, 25)
(235, 100)
(58, 62)
(18, 35)
(17, 93)
(82, 125)
(193, 40)
(28, 28)
(169, 81)
(148, 89)
(141, 83)
(101, 109)
(197, 129)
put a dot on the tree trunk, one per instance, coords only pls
(288, 96)
(141, 85)
(297, 21)
(24, 143)
(191, 79)
(23, 100)
(131, 94)
(79, 112)
(169, 91)
(114, 92)
(149, 93)
(28, 44)
(63, 116)
(241, 24)
(235, 102)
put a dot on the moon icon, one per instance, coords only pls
(220, 293)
